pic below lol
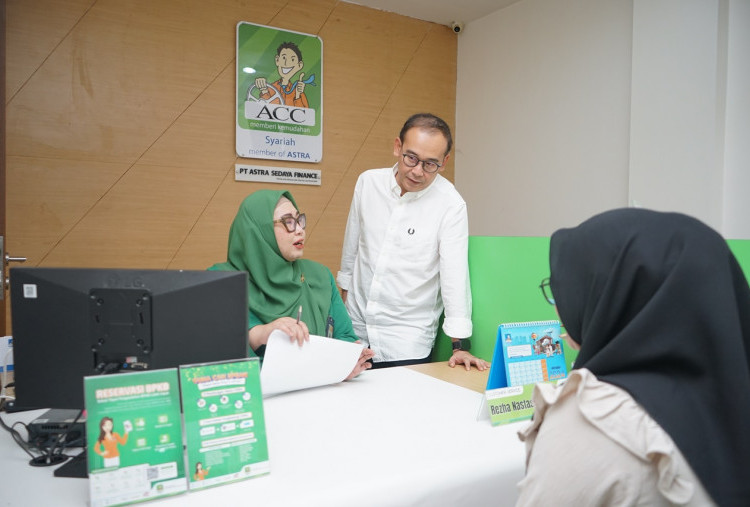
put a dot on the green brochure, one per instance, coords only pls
(134, 436)
(224, 426)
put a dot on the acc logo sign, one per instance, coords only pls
(279, 113)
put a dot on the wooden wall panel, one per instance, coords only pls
(120, 122)
(49, 21)
(48, 197)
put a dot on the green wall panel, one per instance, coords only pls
(505, 273)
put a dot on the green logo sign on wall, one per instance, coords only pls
(279, 94)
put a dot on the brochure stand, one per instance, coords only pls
(134, 430)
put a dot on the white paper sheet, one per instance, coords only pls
(319, 362)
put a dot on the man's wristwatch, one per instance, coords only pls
(462, 344)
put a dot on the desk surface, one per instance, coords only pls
(473, 379)
(389, 437)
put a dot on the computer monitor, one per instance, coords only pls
(69, 323)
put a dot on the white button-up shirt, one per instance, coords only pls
(405, 259)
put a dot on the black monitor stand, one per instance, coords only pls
(77, 466)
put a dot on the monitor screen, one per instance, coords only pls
(69, 323)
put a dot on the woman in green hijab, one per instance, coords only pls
(266, 240)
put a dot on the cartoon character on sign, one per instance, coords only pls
(284, 91)
(200, 472)
(106, 444)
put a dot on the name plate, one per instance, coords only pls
(510, 404)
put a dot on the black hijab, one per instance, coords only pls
(661, 309)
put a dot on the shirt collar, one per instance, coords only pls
(396, 189)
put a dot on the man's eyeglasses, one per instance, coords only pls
(291, 222)
(547, 292)
(428, 166)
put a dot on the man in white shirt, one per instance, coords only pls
(405, 255)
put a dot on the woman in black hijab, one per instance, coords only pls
(660, 391)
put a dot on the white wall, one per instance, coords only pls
(677, 108)
(737, 132)
(566, 109)
(542, 115)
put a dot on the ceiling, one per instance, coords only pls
(443, 12)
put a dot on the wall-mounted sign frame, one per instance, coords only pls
(279, 86)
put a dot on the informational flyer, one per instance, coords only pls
(224, 425)
(134, 436)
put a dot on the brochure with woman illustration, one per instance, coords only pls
(134, 437)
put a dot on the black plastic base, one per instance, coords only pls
(77, 466)
(48, 461)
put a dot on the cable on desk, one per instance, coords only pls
(61, 442)
(47, 455)
(18, 438)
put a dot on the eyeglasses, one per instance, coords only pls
(547, 291)
(428, 166)
(291, 222)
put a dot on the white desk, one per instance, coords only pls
(390, 437)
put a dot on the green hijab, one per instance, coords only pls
(276, 287)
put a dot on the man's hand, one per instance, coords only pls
(262, 85)
(363, 362)
(465, 358)
(300, 88)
